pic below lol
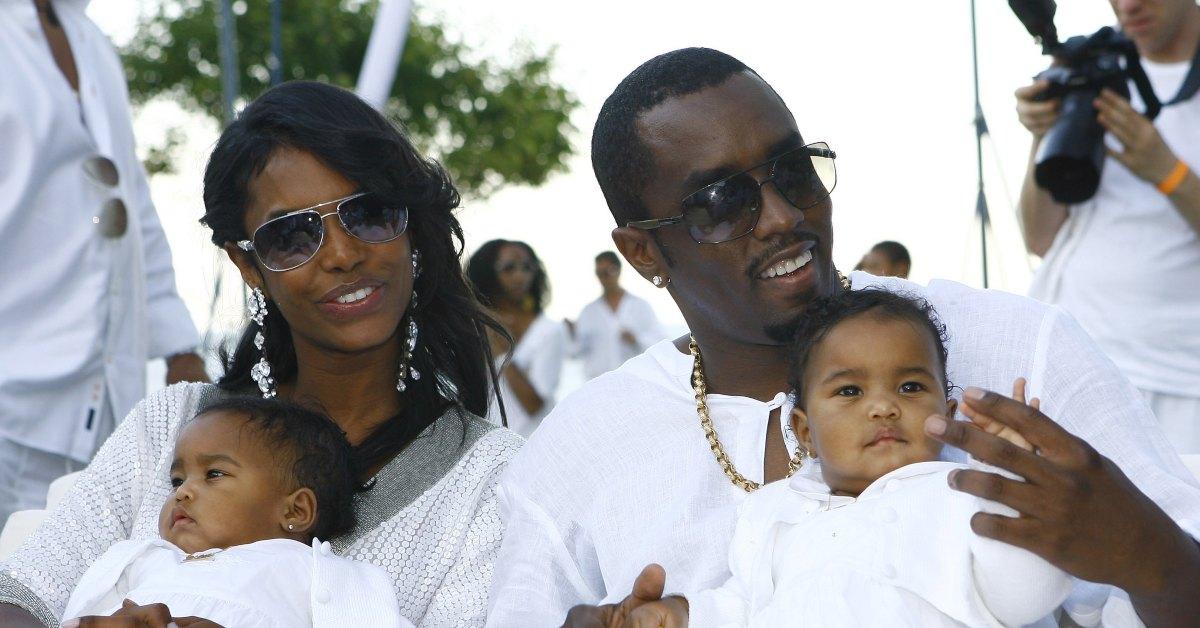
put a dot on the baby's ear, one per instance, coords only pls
(801, 429)
(951, 408)
(300, 512)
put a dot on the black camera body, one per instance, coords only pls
(1071, 156)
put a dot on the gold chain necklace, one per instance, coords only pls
(700, 388)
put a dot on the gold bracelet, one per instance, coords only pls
(1169, 184)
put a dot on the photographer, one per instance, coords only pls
(1126, 262)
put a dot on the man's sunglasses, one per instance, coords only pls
(290, 240)
(729, 209)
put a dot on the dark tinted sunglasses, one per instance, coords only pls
(515, 266)
(290, 240)
(729, 209)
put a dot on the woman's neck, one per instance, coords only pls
(357, 390)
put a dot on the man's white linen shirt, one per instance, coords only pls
(620, 474)
(1126, 264)
(80, 313)
(597, 339)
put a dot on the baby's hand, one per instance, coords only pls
(669, 612)
(996, 428)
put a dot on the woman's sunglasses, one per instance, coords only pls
(290, 240)
(729, 209)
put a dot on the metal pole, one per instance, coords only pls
(275, 62)
(383, 52)
(981, 129)
(230, 84)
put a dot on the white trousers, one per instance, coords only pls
(1179, 417)
(26, 474)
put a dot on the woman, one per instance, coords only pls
(509, 278)
(345, 237)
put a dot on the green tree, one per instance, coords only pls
(490, 123)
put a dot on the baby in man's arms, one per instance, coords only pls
(870, 533)
(258, 485)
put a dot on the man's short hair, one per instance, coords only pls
(610, 257)
(620, 159)
(895, 252)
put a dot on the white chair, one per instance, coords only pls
(22, 523)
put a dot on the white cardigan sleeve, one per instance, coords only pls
(100, 508)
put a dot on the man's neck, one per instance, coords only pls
(758, 371)
(357, 390)
(613, 297)
(1182, 46)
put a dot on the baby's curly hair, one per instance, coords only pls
(309, 449)
(823, 314)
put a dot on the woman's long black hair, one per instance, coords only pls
(481, 270)
(350, 137)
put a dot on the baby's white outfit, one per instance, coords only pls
(900, 554)
(276, 583)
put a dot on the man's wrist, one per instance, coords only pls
(1176, 176)
(1176, 567)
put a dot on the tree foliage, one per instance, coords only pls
(490, 123)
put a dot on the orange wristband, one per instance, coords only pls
(1171, 182)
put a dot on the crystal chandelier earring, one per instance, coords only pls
(260, 372)
(410, 337)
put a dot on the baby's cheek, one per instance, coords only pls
(163, 514)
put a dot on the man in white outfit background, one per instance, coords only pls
(616, 326)
(89, 292)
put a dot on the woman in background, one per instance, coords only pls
(509, 279)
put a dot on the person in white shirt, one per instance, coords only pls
(649, 463)
(89, 293)
(509, 278)
(1126, 262)
(258, 485)
(614, 327)
(872, 517)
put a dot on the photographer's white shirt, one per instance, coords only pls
(1126, 264)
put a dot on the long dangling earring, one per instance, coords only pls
(261, 372)
(410, 341)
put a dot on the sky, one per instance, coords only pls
(887, 84)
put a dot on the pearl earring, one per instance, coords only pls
(291, 527)
(657, 281)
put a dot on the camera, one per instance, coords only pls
(1071, 156)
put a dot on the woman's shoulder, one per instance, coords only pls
(173, 404)
(493, 445)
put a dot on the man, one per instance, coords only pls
(886, 259)
(89, 293)
(1126, 263)
(614, 327)
(649, 463)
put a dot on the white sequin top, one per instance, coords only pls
(430, 520)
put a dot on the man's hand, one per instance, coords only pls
(131, 615)
(1145, 153)
(647, 594)
(1077, 509)
(1037, 116)
(186, 367)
